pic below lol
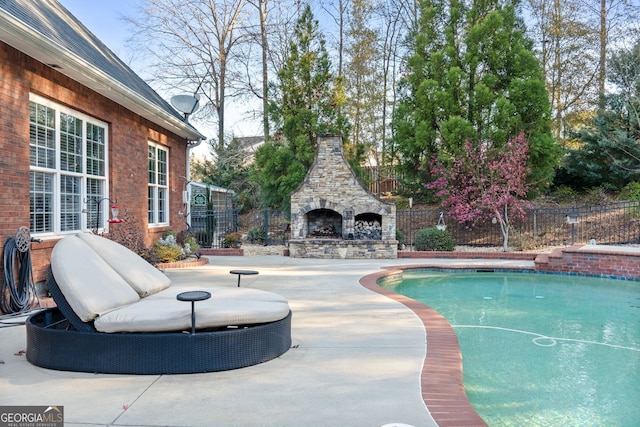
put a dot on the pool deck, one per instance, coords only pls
(357, 359)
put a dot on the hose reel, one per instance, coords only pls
(23, 239)
(17, 296)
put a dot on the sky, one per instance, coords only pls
(106, 19)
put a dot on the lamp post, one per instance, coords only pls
(441, 225)
(573, 218)
(411, 223)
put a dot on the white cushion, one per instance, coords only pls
(88, 283)
(143, 277)
(226, 307)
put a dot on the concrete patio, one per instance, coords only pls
(356, 359)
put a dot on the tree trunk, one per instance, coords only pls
(603, 54)
(504, 227)
(263, 6)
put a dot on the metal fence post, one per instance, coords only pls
(266, 227)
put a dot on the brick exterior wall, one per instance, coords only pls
(129, 134)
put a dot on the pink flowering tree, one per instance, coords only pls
(485, 184)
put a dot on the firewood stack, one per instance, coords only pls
(368, 230)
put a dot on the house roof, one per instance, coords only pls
(211, 187)
(46, 31)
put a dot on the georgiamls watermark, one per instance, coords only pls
(31, 416)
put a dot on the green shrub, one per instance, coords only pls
(232, 240)
(631, 191)
(191, 245)
(167, 249)
(402, 204)
(598, 195)
(564, 194)
(256, 235)
(432, 239)
(401, 238)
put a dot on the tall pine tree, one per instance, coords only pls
(308, 102)
(472, 77)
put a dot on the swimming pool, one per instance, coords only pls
(540, 349)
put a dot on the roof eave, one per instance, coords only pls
(25, 39)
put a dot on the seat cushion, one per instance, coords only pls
(89, 284)
(143, 277)
(226, 307)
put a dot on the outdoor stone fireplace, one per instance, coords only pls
(334, 216)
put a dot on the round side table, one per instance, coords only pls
(193, 296)
(241, 273)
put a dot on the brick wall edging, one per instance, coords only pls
(222, 251)
(600, 261)
(182, 264)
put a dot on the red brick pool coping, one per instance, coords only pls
(441, 377)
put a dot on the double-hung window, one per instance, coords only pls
(158, 185)
(68, 169)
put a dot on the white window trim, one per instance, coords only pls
(155, 223)
(57, 172)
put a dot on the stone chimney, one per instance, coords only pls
(333, 215)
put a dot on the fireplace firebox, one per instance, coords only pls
(324, 223)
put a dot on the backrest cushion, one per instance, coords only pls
(144, 278)
(88, 283)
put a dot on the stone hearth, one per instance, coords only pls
(334, 216)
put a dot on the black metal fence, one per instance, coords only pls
(265, 227)
(211, 226)
(269, 227)
(615, 223)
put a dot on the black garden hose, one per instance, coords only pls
(16, 297)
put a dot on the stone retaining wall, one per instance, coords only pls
(343, 249)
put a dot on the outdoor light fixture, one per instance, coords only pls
(441, 225)
(573, 218)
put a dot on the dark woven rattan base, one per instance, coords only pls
(54, 344)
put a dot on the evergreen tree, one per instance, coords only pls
(308, 103)
(472, 77)
(610, 156)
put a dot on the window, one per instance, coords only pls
(158, 180)
(68, 161)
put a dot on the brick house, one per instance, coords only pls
(79, 131)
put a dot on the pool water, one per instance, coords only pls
(541, 349)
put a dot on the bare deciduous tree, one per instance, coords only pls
(194, 47)
(574, 38)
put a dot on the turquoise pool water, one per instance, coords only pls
(541, 349)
